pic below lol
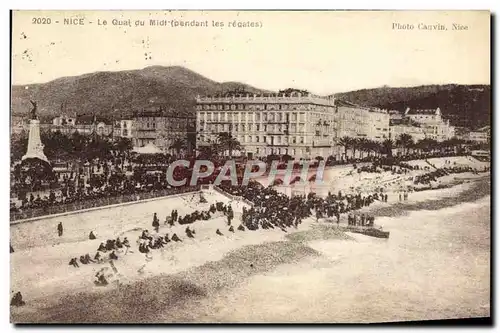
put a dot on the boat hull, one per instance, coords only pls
(368, 231)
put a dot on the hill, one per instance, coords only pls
(120, 93)
(464, 105)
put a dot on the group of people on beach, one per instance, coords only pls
(105, 251)
(362, 220)
(272, 209)
(403, 195)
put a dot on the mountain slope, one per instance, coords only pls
(464, 105)
(120, 93)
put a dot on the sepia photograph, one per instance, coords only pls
(257, 167)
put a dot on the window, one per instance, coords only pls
(301, 139)
(258, 127)
(265, 139)
(257, 138)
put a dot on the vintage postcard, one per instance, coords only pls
(250, 166)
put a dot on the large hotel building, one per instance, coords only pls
(291, 122)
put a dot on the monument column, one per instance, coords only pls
(35, 146)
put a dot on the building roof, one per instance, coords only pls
(422, 111)
(484, 129)
(339, 102)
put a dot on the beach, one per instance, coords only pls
(435, 265)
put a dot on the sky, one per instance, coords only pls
(323, 52)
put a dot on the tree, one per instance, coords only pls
(452, 144)
(123, 146)
(355, 145)
(79, 143)
(373, 147)
(57, 145)
(386, 147)
(363, 145)
(208, 151)
(18, 145)
(178, 145)
(427, 144)
(97, 147)
(404, 141)
(345, 142)
(226, 142)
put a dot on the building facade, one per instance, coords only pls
(292, 122)
(362, 122)
(162, 128)
(481, 135)
(432, 123)
(64, 121)
(125, 129)
(405, 126)
(100, 128)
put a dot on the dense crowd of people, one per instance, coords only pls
(114, 177)
(433, 176)
(272, 209)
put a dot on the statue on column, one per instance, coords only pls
(33, 111)
(35, 146)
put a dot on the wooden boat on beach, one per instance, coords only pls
(367, 231)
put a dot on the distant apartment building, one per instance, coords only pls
(64, 121)
(291, 122)
(432, 123)
(125, 128)
(161, 128)
(84, 124)
(399, 126)
(481, 135)
(362, 122)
